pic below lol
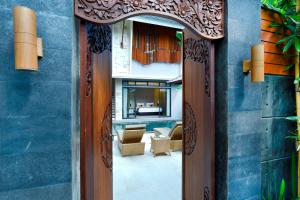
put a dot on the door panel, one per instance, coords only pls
(198, 118)
(86, 125)
(100, 44)
(102, 122)
(99, 88)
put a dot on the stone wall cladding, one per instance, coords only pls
(251, 148)
(35, 107)
(278, 103)
(238, 106)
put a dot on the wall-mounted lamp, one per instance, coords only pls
(27, 46)
(256, 64)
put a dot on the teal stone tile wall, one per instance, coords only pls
(238, 106)
(35, 107)
(279, 103)
(251, 147)
(39, 110)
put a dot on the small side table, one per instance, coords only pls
(160, 145)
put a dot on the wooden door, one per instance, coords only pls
(198, 119)
(96, 113)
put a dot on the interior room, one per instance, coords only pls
(150, 100)
(147, 109)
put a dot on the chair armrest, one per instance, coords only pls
(120, 134)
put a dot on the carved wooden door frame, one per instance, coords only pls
(204, 18)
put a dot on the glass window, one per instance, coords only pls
(141, 83)
(146, 100)
(153, 83)
(131, 83)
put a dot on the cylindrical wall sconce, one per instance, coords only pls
(256, 64)
(26, 41)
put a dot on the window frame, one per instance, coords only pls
(125, 85)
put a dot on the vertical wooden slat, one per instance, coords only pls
(275, 61)
(162, 38)
(99, 58)
(102, 122)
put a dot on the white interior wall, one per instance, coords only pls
(176, 102)
(118, 99)
(121, 57)
(156, 71)
(123, 66)
(161, 21)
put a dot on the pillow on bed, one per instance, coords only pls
(149, 104)
(139, 105)
(135, 126)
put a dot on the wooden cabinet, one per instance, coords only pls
(152, 43)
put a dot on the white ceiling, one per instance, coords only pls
(157, 21)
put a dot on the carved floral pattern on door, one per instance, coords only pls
(190, 129)
(106, 138)
(206, 193)
(99, 38)
(198, 51)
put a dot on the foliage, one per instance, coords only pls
(288, 25)
(295, 137)
(274, 193)
(289, 22)
(280, 195)
(294, 134)
(282, 189)
(179, 36)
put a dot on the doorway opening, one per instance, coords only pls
(98, 108)
(146, 99)
(147, 109)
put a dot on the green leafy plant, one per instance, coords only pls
(179, 36)
(289, 22)
(282, 190)
(294, 134)
(273, 194)
(288, 25)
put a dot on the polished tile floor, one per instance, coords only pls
(146, 177)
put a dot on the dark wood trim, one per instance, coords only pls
(86, 144)
(183, 123)
(213, 114)
(82, 113)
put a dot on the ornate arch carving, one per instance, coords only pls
(204, 17)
